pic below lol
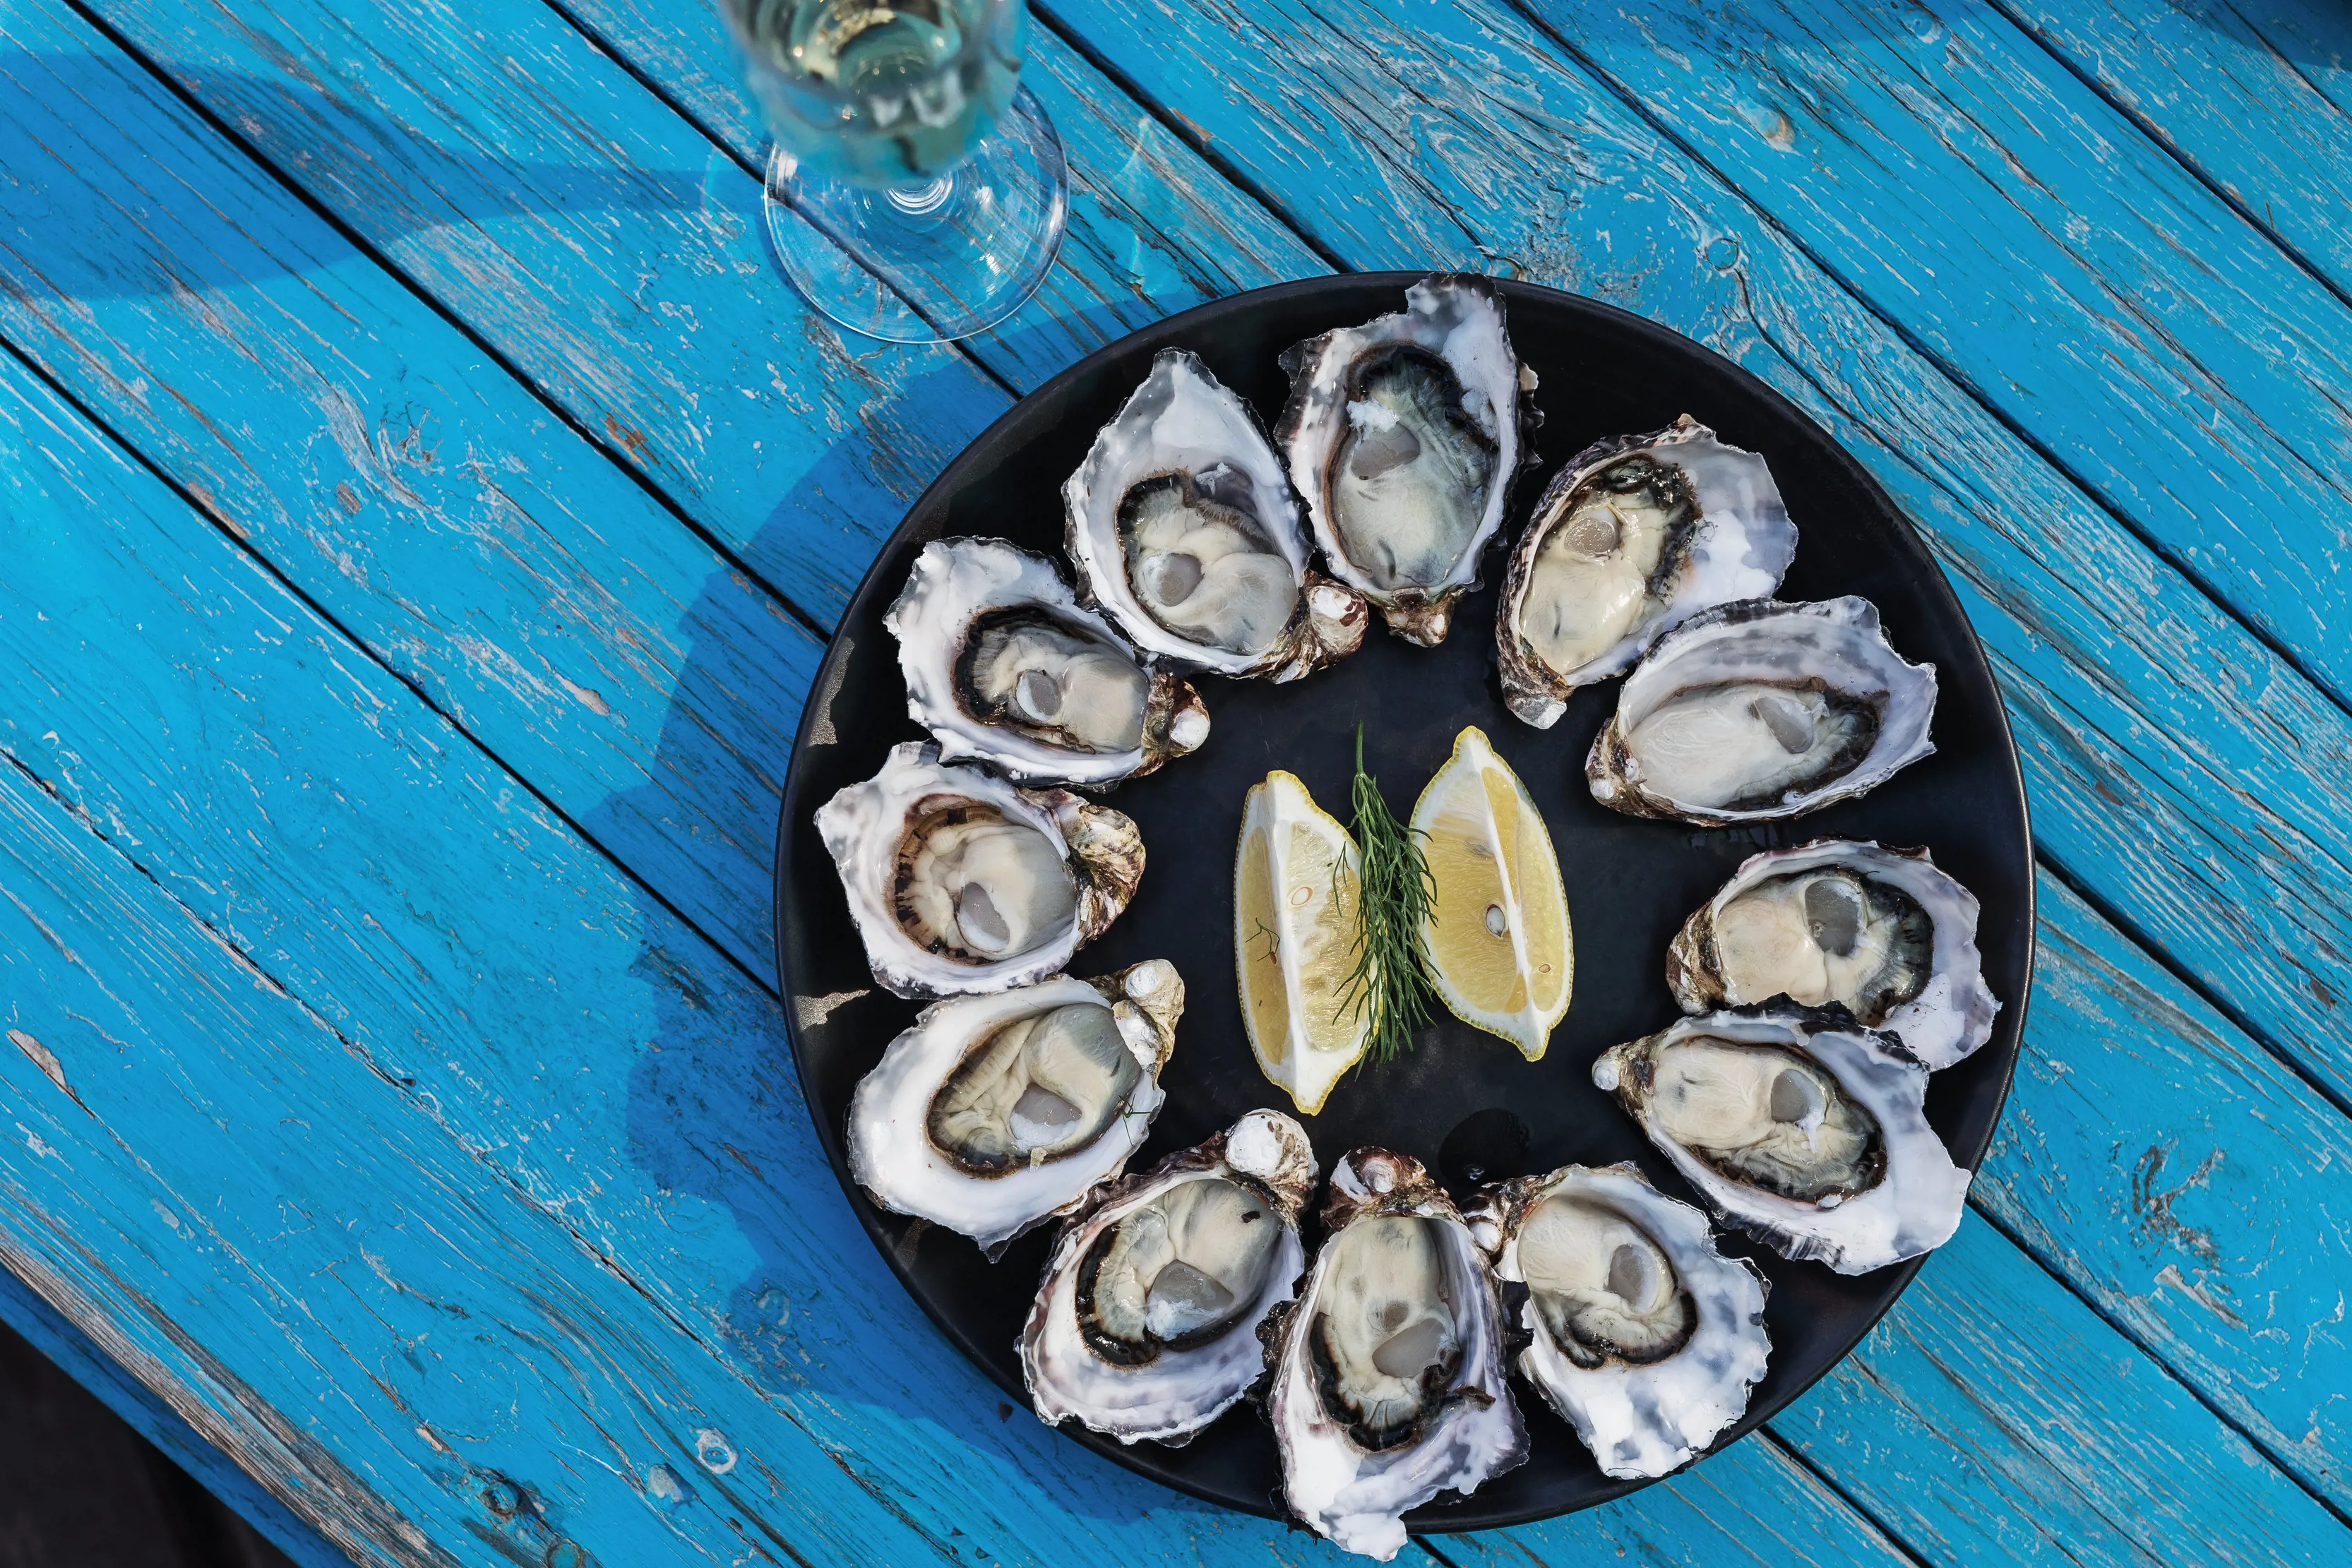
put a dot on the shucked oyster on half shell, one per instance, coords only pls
(1642, 1335)
(1881, 933)
(1404, 436)
(1805, 1131)
(961, 883)
(1184, 530)
(1002, 665)
(994, 1112)
(1389, 1383)
(1633, 537)
(1758, 710)
(1146, 1325)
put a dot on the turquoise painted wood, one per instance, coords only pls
(2198, 784)
(2253, 98)
(487, 1059)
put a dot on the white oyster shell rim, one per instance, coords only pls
(952, 583)
(1914, 1208)
(861, 826)
(1651, 1419)
(1181, 417)
(1765, 638)
(1168, 1399)
(1741, 548)
(1461, 318)
(889, 1149)
(1358, 1500)
(1953, 1016)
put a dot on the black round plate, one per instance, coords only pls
(1464, 1103)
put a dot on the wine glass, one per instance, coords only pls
(916, 192)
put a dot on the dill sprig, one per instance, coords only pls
(1391, 977)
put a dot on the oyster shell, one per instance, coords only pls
(1758, 710)
(1185, 532)
(1635, 536)
(1146, 1325)
(994, 1112)
(1003, 666)
(1389, 1383)
(1403, 435)
(961, 883)
(1641, 1335)
(1805, 1131)
(1881, 933)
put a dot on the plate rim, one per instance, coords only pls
(826, 683)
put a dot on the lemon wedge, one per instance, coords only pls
(1295, 890)
(1497, 935)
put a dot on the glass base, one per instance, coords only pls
(934, 262)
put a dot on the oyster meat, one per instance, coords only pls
(1634, 537)
(1642, 1335)
(994, 1112)
(1404, 436)
(1881, 933)
(1389, 1383)
(961, 883)
(1002, 665)
(1184, 530)
(1146, 1326)
(1758, 710)
(1805, 1131)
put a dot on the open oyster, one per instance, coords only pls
(1635, 536)
(1002, 665)
(994, 1112)
(1185, 532)
(1389, 1383)
(1881, 933)
(1756, 710)
(1806, 1131)
(1147, 1323)
(1641, 1335)
(961, 883)
(1404, 436)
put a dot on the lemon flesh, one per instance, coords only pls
(1295, 890)
(1497, 935)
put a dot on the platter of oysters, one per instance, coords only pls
(1405, 903)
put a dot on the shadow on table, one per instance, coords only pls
(716, 1113)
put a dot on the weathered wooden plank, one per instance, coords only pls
(1990, 1420)
(46, 1330)
(523, 1017)
(2233, 89)
(722, 1208)
(2072, 275)
(210, 1184)
(2186, 1184)
(408, 485)
(606, 248)
(1373, 137)
(1748, 1507)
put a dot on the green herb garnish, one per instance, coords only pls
(1391, 977)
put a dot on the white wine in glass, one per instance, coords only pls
(915, 192)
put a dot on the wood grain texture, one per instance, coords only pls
(320, 411)
(2072, 275)
(1368, 139)
(423, 934)
(1749, 1506)
(1990, 1420)
(2240, 91)
(46, 1330)
(605, 247)
(2190, 1186)
(540, 1038)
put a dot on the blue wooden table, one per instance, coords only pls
(424, 506)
